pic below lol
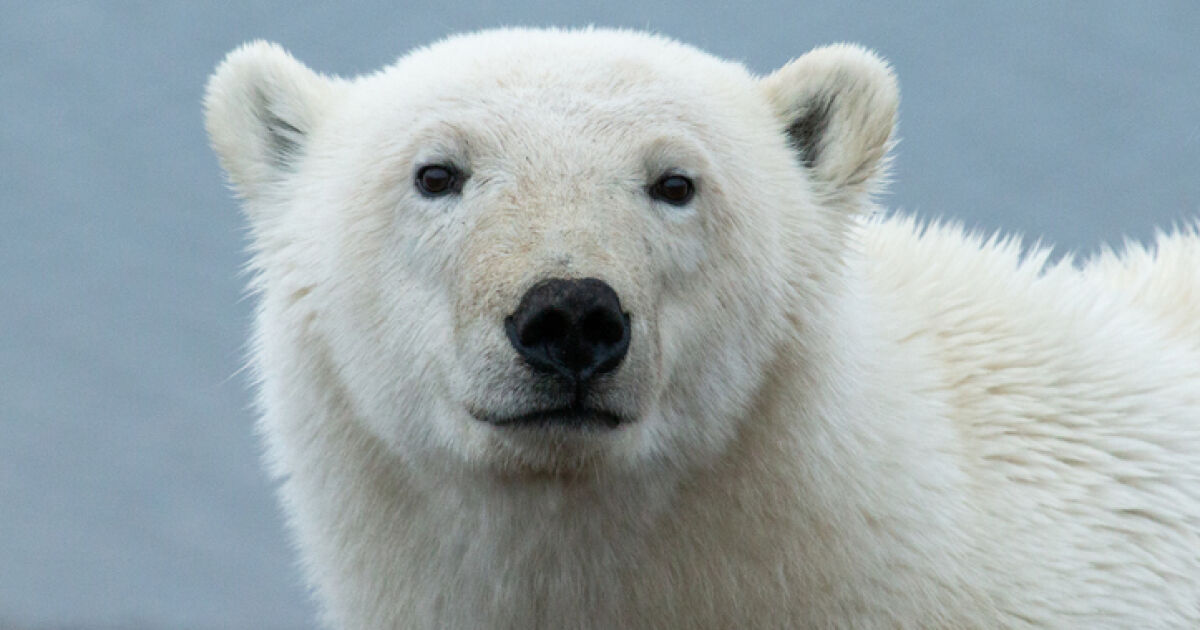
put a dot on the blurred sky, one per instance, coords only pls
(130, 490)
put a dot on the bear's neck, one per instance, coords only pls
(799, 509)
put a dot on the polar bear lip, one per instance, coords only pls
(570, 417)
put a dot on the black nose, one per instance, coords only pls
(573, 328)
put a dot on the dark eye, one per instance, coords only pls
(676, 190)
(436, 180)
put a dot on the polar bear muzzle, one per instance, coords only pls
(572, 330)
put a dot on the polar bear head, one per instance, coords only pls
(546, 252)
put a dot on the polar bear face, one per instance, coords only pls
(544, 252)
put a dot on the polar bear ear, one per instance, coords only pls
(838, 107)
(260, 107)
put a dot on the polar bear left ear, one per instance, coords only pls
(838, 108)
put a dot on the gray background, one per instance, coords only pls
(130, 491)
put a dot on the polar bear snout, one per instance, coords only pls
(572, 328)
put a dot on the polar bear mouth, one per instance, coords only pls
(579, 417)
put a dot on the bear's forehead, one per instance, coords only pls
(515, 87)
(563, 68)
(510, 51)
(607, 101)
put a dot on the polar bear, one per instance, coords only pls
(590, 329)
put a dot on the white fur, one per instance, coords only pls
(835, 422)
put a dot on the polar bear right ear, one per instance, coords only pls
(838, 107)
(260, 107)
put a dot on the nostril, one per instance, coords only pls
(601, 326)
(548, 325)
